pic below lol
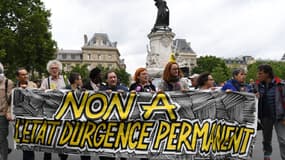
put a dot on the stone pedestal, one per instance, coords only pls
(159, 50)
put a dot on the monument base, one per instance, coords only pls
(159, 51)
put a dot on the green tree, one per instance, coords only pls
(82, 69)
(25, 37)
(216, 66)
(123, 76)
(218, 74)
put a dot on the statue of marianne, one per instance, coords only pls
(162, 19)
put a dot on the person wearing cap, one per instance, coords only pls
(237, 81)
(172, 79)
(6, 86)
(193, 79)
(95, 80)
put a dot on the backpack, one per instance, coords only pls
(8, 98)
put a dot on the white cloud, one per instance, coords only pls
(222, 28)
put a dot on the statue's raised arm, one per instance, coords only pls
(162, 19)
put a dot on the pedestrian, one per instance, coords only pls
(271, 108)
(6, 86)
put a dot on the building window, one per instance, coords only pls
(63, 56)
(68, 67)
(73, 56)
(99, 56)
(88, 56)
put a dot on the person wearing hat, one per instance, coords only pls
(193, 79)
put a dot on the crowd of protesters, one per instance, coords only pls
(269, 89)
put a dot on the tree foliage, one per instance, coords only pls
(25, 37)
(123, 76)
(216, 66)
(82, 69)
(218, 74)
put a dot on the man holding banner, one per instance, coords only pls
(23, 82)
(112, 86)
(55, 81)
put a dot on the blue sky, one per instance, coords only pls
(223, 28)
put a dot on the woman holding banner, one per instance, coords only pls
(206, 82)
(142, 83)
(172, 79)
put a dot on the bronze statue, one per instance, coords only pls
(162, 19)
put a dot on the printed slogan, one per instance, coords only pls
(163, 125)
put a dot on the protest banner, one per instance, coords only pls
(166, 125)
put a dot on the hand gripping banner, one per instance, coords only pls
(170, 125)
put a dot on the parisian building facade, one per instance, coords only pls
(185, 56)
(98, 51)
(239, 62)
